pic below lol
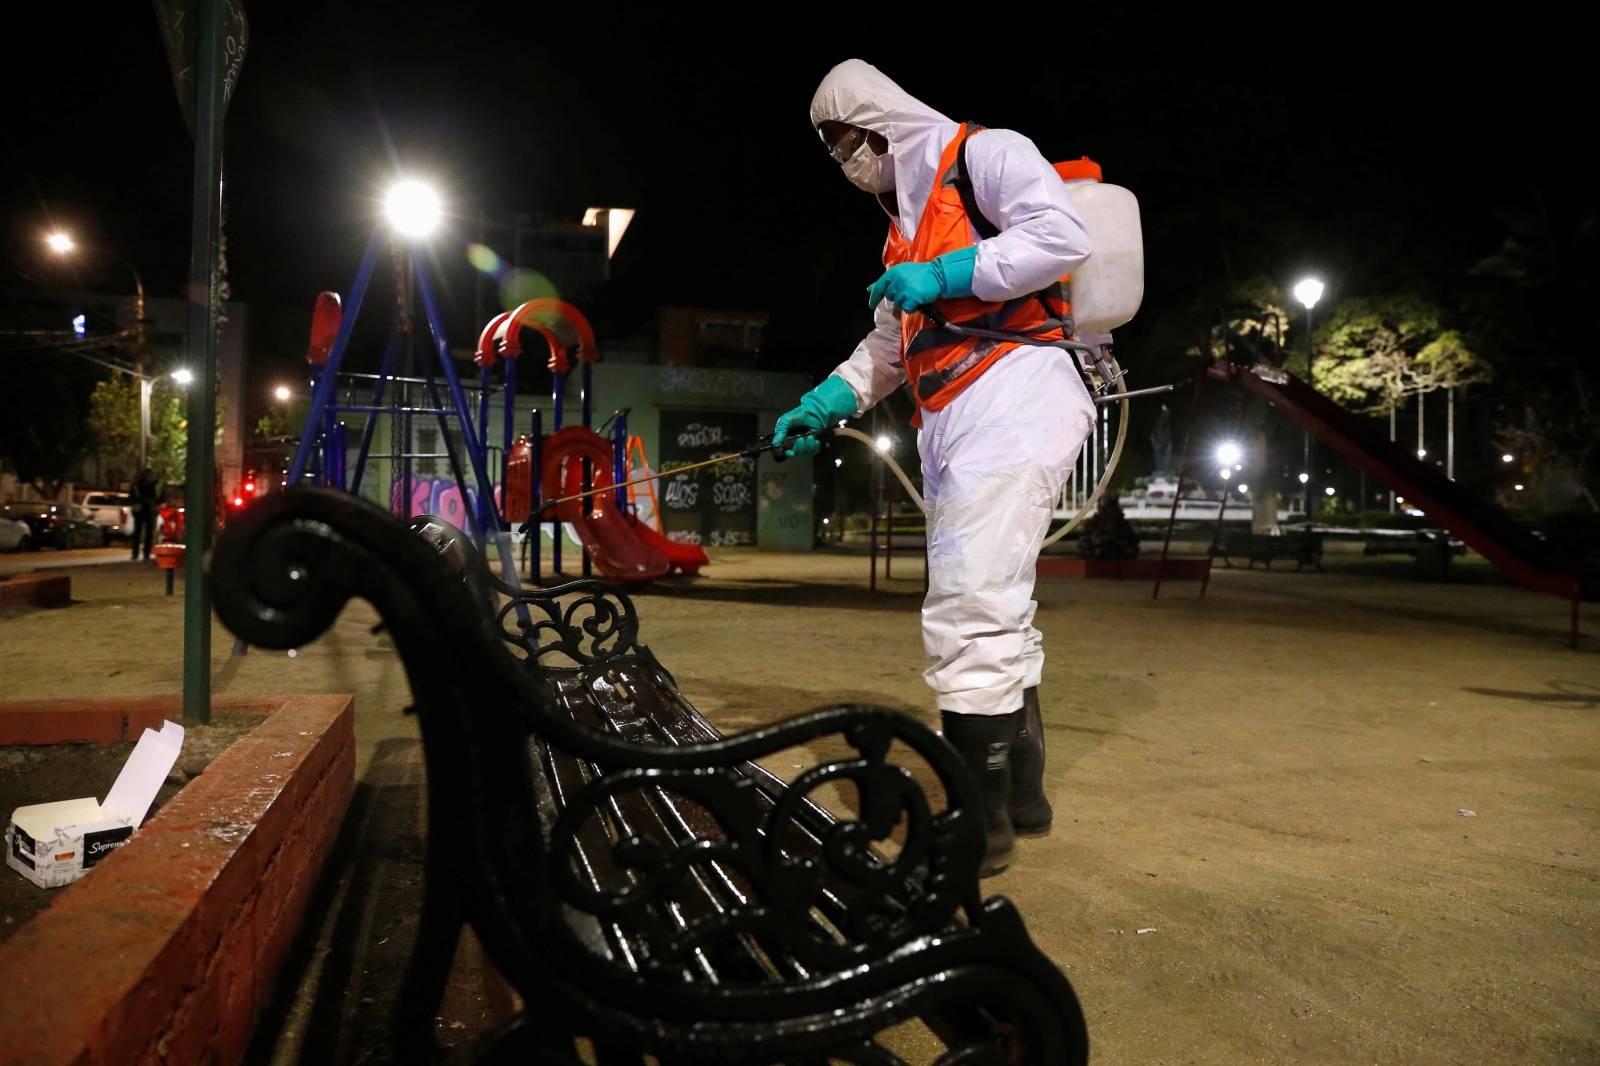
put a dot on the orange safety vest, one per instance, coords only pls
(940, 364)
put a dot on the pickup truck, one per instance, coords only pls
(111, 511)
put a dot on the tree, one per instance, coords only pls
(1447, 363)
(1530, 300)
(1375, 353)
(114, 427)
(114, 424)
(1251, 325)
(272, 426)
(1554, 436)
(1366, 351)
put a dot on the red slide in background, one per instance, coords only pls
(1482, 526)
(686, 558)
(622, 548)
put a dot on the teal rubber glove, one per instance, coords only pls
(910, 286)
(823, 406)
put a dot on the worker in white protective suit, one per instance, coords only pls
(981, 233)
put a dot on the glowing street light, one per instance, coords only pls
(1225, 473)
(413, 209)
(1329, 491)
(183, 375)
(1243, 487)
(1507, 458)
(282, 393)
(838, 463)
(1304, 478)
(1422, 453)
(884, 444)
(60, 242)
(1228, 454)
(1518, 488)
(1308, 291)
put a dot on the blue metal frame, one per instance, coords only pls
(333, 462)
(322, 425)
(586, 400)
(619, 460)
(475, 449)
(536, 460)
(558, 392)
(508, 386)
(378, 388)
(328, 376)
(483, 434)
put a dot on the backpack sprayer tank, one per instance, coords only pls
(1107, 288)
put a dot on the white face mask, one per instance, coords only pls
(870, 171)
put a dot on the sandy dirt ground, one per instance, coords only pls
(1311, 818)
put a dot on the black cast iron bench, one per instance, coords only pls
(651, 892)
(1305, 549)
(1432, 551)
(1418, 543)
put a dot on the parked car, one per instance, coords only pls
(15, 535)
(57, 525)
(112, 511)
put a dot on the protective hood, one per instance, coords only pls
(860, 94)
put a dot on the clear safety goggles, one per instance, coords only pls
(847, 145)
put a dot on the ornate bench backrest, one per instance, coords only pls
(564, 626)
(283, 571)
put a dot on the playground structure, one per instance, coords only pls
(575, 460)
(489, 498)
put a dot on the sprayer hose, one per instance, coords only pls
(1083, 512)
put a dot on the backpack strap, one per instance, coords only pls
(962, 181)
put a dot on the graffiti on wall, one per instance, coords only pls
(440, 497)
(716, 504)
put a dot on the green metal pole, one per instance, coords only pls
(200, 501)
(1305, 492)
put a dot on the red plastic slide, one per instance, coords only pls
(1483, 527)
(686, 558)
(621, 548)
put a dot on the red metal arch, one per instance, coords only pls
(550, 310)
(485, 355)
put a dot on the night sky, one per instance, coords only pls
(1378, 155)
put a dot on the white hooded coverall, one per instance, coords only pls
(995, 459)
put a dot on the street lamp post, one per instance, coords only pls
(1308, 291)
(1450, 432)
(146, 383)
(62, 244)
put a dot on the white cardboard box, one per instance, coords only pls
(54, 844)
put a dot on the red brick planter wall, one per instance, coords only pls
(52, 591)
(96, 721)
(166, 951)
